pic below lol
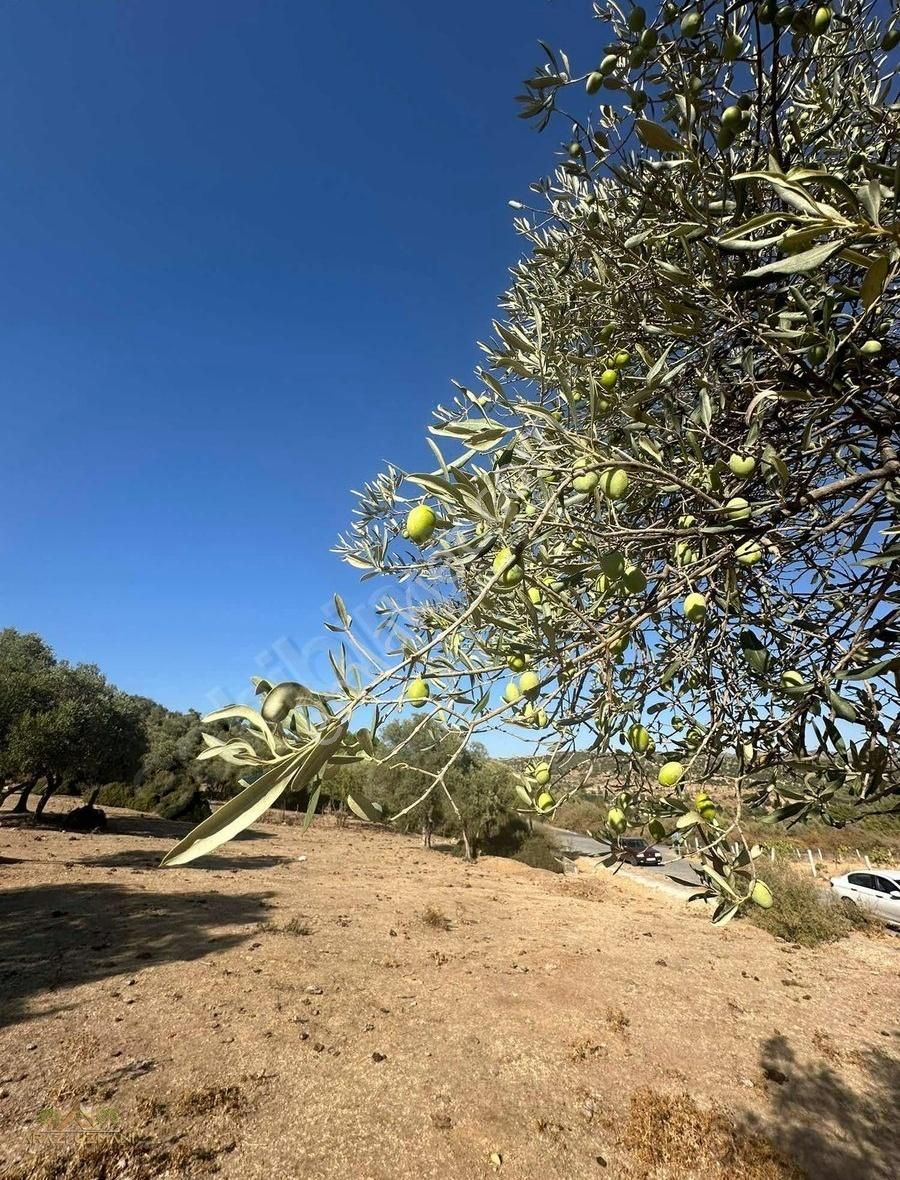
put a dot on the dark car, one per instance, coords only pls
(636, 851)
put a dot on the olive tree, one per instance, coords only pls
(74, 730)
(480, 786)
(661, 524)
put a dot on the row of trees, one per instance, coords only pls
(63, 727)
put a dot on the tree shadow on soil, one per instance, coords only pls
(121, 823)
(133, 858)
(157, 828)
(833, 1130)
(55, 937)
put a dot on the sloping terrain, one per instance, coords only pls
(296, 1007)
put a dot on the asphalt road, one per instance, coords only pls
(660, 875)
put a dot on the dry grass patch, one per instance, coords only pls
(826, 1046)
(298, 926)
(669, 1137)
(193, 1104)
(118, 1157)
(435, 918)
(617, 1020)
(581, 815)
(210, 1100)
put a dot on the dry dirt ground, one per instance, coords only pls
(263, 1015)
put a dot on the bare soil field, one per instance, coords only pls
(377, 1012)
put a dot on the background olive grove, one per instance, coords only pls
(63, 727)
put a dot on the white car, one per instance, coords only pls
(878, 890)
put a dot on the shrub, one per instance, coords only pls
(581, 815)
(298, 926)
(801, 912)
(186, 804)
(117, 795)
(508, 838)
(435, 918)
(539, 852)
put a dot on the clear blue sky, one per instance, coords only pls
(243, 248)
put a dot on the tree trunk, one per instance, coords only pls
(22, 801)
(468, 848)
(9, 789)
(52, 784)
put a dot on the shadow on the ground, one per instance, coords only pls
(132, 858)
(155, 827)
(448, 847)
(120, 823)
(55, 937)
(834, 1130)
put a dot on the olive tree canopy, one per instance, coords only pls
(662, 522)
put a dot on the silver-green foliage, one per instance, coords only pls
(711, 277)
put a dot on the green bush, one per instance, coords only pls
(801, 911)
(186, 804)
(508, 838)
(539, 852)
(117, 795)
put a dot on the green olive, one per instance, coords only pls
(783, 16)
(766, 12)
(732, 46)
(821, 20)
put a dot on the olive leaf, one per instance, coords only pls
(843, 708)
(363, 807)
(873, 283)
(795, 264)
(653, 135)
(311, 809)
(235, 815)
(294, 770)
